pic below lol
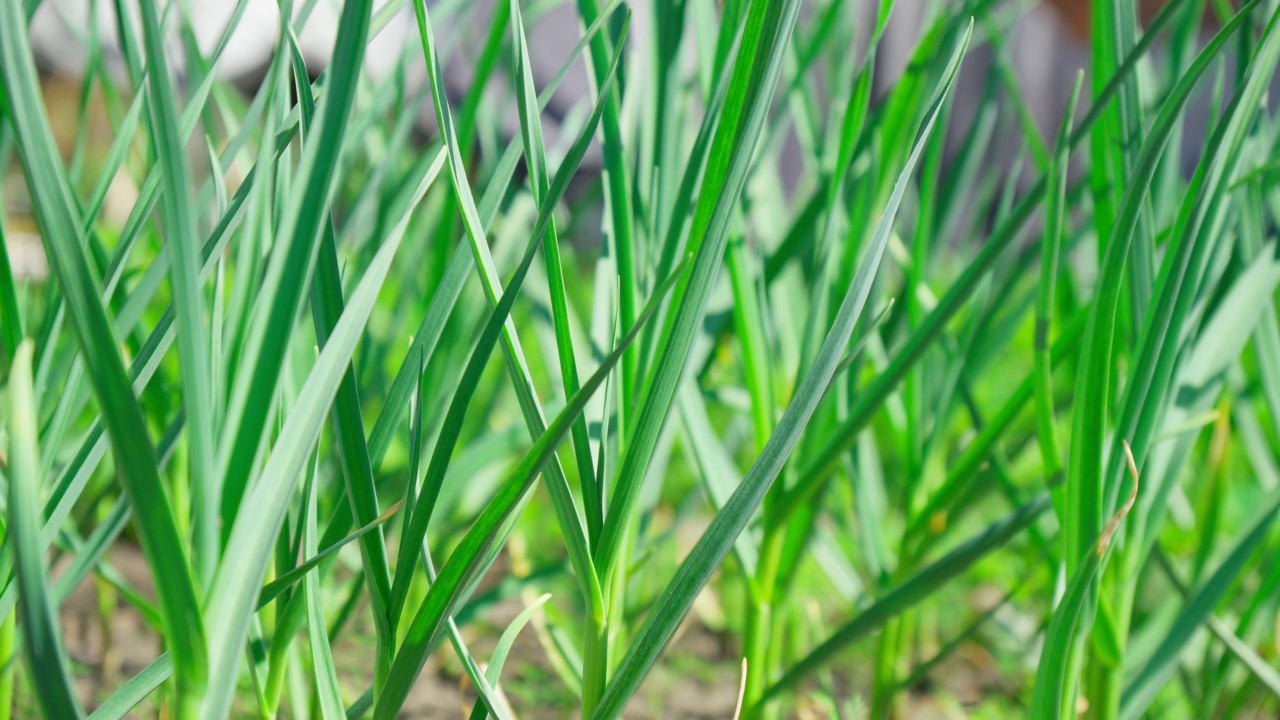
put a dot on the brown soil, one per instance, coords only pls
(701, 682)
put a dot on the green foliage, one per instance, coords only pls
(916, 385)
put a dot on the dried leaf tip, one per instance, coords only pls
(1114, 524)
(742, 690)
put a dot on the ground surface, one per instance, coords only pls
(698, 678)
(699, 684)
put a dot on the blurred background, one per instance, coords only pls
(1041, 56)
(1038, 61)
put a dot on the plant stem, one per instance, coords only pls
(748, 318)
(617, 605)
(595, 663)
(759, 624)
(886, 665)
(186, 704)
(1108, 676)
(8, 662)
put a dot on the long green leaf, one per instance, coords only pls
(715, 543)
(500, 651)
(248, 552)
(54, 209)
(1050, 248)
(874, 395)
(1085, 483)
(462, 565)
(1163, 661)
(1197, 228)
(188, 294)
(1055, 688)
(755, 76)
(562, 500)
(326, 307)
(326, 677)
(536, 161)
(459, 266)
(292, 261)
(277, 587)
(42, 640)
(125, 699)
(458, 408)
(912, 591)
